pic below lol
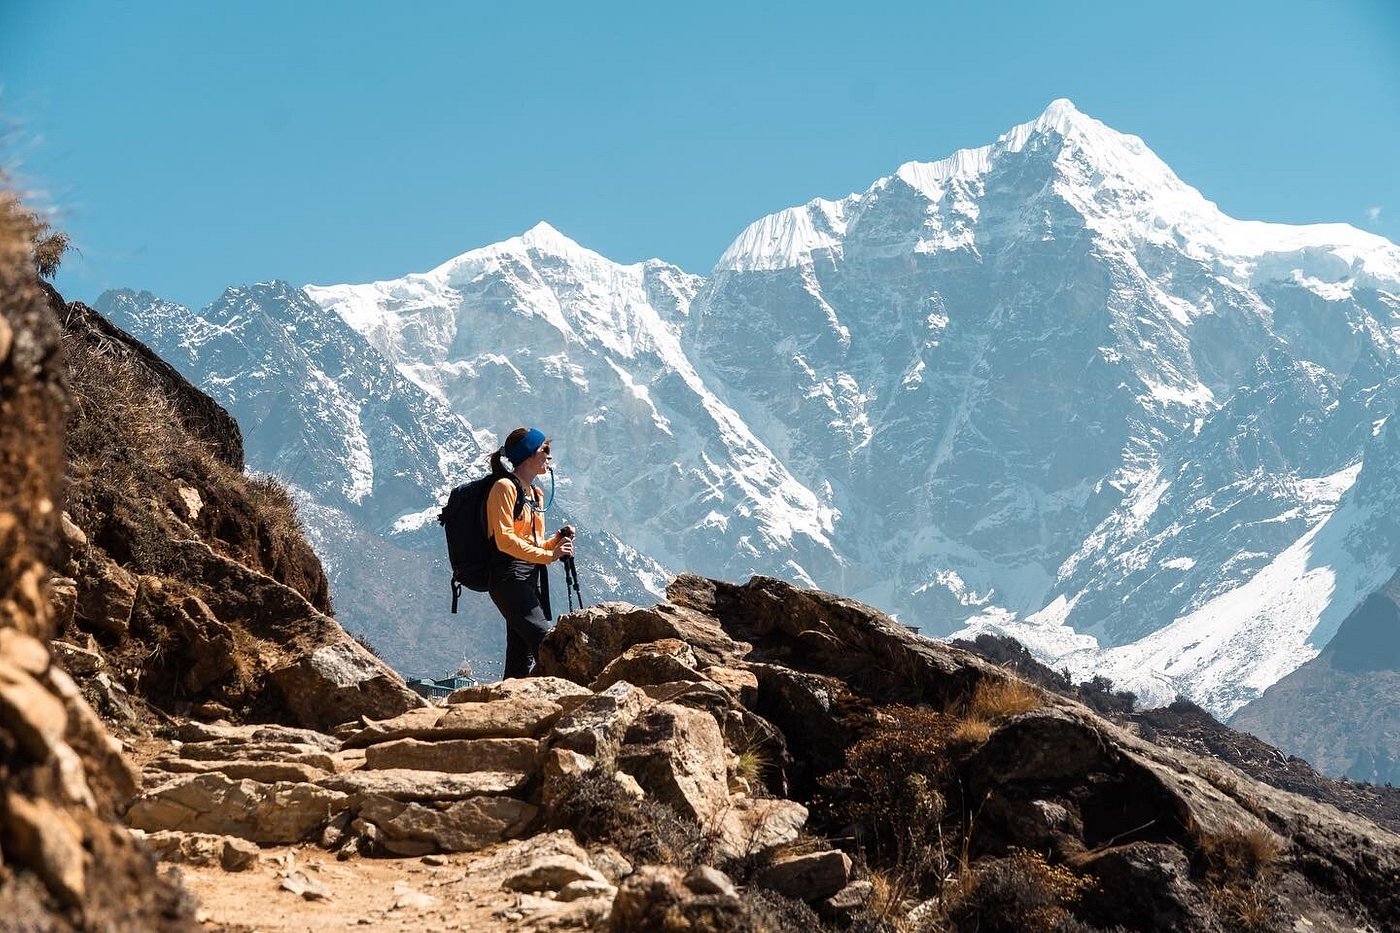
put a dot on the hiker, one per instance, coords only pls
(519, 585)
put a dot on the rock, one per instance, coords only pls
(847, 901)
(409, 898)
(411, 829)
(705, 879)
(106, 598)
(556, 689)
(612, 863)
(696, 694)
(107, 770)
(561, 766)
(73, 536)
(339, 682)
(63, 601)
(526, 717)
(678, 756)
(46, 839)
(266, 772)
(1145, 885)
(408, 784)
(655, 898)
(202, 849)
(36, 718)
(552, 873)
(238, 855)
(337, 831)
(271, 814)
(741, 684)
(655, 662)
(416, 723)
(287, 752)
(585, 890)
(809, 877)
(255, 734)
(212, 710)
(755, 826)
(24, 651)
(456, 755)
(307, 888)
(77, 661)
(597, 726)
(112, 699)
(583, 643)
(1044, 745)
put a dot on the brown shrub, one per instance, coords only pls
(1021, 893)
(889, 791)
(598, 810)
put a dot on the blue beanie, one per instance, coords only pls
(525, 448)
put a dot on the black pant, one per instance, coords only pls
(521, 594)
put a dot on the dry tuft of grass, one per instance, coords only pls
(995, 700)
(971, 731)
(1239, 853)
(750, 765)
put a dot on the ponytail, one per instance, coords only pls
(498, 467)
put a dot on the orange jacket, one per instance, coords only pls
(519, 539)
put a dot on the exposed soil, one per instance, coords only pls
(370, 894)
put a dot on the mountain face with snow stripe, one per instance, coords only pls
(1042, 388)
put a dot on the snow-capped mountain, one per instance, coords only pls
(369, 457)
(1043, 387)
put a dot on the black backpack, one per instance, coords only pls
(470, 547)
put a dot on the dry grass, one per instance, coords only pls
(995, 700)
(1240, 853)
(750, 765)
(45, 245)
(1240, 866)
(121, 426)
(971, 731)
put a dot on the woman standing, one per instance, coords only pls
(519, 584)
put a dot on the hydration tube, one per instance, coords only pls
(545, 508)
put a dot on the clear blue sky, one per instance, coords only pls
(187, 146)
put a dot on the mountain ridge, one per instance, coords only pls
(1069, 379)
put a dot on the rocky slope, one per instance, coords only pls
(183, 581)
(762, 757)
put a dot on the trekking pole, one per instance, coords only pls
(571, 582)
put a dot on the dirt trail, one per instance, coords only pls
(372, 894)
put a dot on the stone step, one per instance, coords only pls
(412, 785)
(456, 755)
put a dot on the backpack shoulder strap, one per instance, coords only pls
(519, 494)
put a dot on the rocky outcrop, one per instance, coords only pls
(999, 805)
(68, 863)
(190, 582)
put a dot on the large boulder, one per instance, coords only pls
(404, 828)
(341, 682)
(270, 814)
(678, 756)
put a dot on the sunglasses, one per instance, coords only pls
(545, 450)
